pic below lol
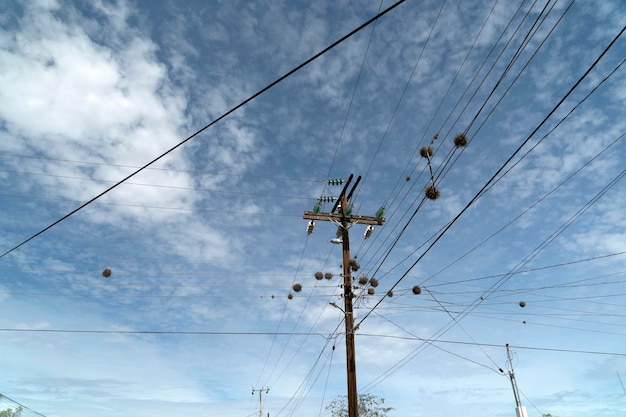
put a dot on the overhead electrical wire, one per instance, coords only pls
(533, 205)
(498, 284)
(505, 164)
(523, 347)
(158, 332)
(450, 154)
(151, 168)
(144, 206)
(171, 187)
(218, 119)
(445, 96)
(522, 263)
(329, 172)
(449, 163)
(495, 175)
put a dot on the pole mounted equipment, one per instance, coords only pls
(342, 215)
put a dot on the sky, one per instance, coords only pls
(177, 144)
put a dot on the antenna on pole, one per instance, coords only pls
(520, 410)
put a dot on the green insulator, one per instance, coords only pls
(337, 181)
(349, 210)
(380, 212)
(317, 207)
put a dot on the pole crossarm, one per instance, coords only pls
(338, 217)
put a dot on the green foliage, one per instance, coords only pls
(369, 406)
(10, 413)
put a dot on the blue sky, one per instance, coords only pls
(206, 243)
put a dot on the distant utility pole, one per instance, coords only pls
(341, 214)
(261, 391)
(520, 410)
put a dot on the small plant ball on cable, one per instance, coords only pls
(426, 151)
(354, 265)
(460, 140)
(522, 304)
(319, 276)
(370, 291)
(374, 282)
(417, 290)
(328, 275)
(297, 287)
(363, 280)
(432, 192)
(106, 273)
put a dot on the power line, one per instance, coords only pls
(161, 332)
(502, 167)
(218, 119)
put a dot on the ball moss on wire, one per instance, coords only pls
(427, 151)
(417, 290)
(328, 275)
(374, 282)
(432, 192)
(297, 287)
(522, 304)
(106, 273)
(290, 296)
(354, 265)
(370, 291)
(319, 275)
(389, 293)
(363, 280)
(460, 140)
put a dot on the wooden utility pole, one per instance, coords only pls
(344, 219)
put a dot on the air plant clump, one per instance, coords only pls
(417, 290)
(290, 296)
(432, 192)
(522, 304)
(460, 140)
(354, 265)
(427, 151)
(389, 293)
(408, 178)
(106, 273)
(370, 291)
(374, 282)
(363, 280)
(328, 275)
(319, 275)
(297, 287)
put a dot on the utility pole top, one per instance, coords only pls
(520, 410)
(261, 391)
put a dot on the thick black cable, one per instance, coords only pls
(223, 116)
(502, 167)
